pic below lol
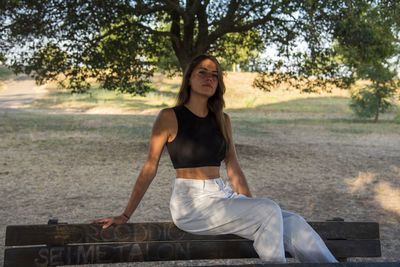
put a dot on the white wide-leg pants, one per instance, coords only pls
(209, 207)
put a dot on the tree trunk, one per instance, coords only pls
(377, 109)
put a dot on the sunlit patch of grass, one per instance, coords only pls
(240, 99)
(99, 97)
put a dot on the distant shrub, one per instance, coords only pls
(397, 118)
(372, 100)
(5, 73)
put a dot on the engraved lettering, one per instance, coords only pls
(78, 234)
(85, 256)
(174, 233)
(182, 251)
(92, 234)
(56, 256)
(68, 257)
(44, 258)
(165, 251)
(120, 252)
(139, 233)
(101, 253)
(164, 231)
(154, 232)
(122, 232)
(107, 234)
(135, 253)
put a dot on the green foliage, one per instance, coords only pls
(5, 73)
(239, 48)
(307, 61)
(311, 73)
(121, 43)
(364, 35)
(397, 118)
(366, 41)
(370, 100)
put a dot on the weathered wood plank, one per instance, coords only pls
(142, 232)
(342, 264)
(126, 252)
(354, 248)
(347, 230)
(159, 251)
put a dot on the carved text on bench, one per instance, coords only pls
(84, 254)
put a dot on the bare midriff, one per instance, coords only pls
(200, 173)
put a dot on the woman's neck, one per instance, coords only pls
(198, 105)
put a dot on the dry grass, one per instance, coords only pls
(241, 98)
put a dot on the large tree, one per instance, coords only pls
(118, 42)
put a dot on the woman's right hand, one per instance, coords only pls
(111, 220)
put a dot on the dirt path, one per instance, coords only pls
(17, 95)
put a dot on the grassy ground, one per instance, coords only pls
(241, 100)
(5, 74)
(240, 97)
(79, 167)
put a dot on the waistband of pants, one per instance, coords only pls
(216, 183)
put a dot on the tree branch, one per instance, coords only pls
(201, 42)
(174, 6)
(227, 24)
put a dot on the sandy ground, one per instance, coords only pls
(19, 94)
(80, 176)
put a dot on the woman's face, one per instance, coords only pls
(204, 78)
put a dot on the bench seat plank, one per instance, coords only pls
(20, 235)
(164, 251)
(341, 264)
(70, 244)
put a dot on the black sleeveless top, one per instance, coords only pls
(198, 142)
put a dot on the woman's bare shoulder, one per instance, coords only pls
(167, 114)
(166, 118)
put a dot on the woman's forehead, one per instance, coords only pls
(207, 64)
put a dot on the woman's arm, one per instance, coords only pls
(159, 136)
(235, 173)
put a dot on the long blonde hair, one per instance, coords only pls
(216, 103)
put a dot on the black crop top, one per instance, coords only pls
(198, 142)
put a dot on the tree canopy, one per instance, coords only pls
(119, 43)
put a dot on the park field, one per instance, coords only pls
(76, 157)
(240, 97)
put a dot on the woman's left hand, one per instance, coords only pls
(111, 220)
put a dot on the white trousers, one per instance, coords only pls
(209, 207)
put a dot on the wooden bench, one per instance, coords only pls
(72, 244)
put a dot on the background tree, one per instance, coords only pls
(119, 42)
(366, 38)
(358, 40)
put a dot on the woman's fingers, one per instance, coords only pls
(105, 220)
(111, 222)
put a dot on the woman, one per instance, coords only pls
(198, 136)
